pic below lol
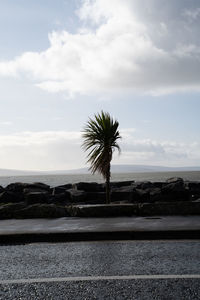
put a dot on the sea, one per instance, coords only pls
(56, 180)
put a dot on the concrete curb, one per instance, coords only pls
(25, 238)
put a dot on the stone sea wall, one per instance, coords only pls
(37, 200)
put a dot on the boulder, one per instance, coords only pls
(10, 197)
(175, 180)
(123, 193)
(34, 190)
(194, 189)
(175, 191)
(95, 198)
(158, 184)
(140, 196)
(147, 185)
(61, 189)
(42, 211)
(77, 196)
(119, 184)
(41, 186)
(155, 195)
(18, 187)
(174, 186)
(8, 211)
(36, 197)
(89, 187)
(110, 210)
(193, 186)
(143, 185)
(61, 199)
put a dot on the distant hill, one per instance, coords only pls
(131, 169)
(114, 169)
(146, 168)
(10, 172)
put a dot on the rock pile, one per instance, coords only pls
(38, 200)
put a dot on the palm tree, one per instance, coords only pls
(100, 138)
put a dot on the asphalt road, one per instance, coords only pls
(101, 270)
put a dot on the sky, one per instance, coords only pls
(63, 61)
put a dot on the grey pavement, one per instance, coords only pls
(62, 229)
(101, 270)
(99, 258)
(183, 289)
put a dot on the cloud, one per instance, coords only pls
(154, 152)
(150, 152)
(122, 46)
(45, 150)
(61, 150)
(139, 46)
(192, 14)
(6, 123)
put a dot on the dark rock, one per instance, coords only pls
(193, 186)
(159, 184)
(177, 186)
(119, 184)
(197, 200)
(34, 190)
(194, 189)
(61, 199)
(8, 211)
(174, 180)
(57, 190)
(170, 197)
(66, 186)
(40, 185)
(175, 191)
(145, 185)
(127, 188)
(36, 197)
(111, 210)
(142, 185)
(77, 196)
(123, 193)
(155, 195)
(61, 189)
(42, 211)
(95, 198)
(18, 187)
(89, 187)
(140, 196)
(9, 197)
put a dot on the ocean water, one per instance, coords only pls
(55, 180)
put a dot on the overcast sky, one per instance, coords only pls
(63, 61)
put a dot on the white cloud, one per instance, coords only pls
(192, 14)
(129, 47)
(6, 123)
(54, 150)
(153, 152)
(159, 153)
(41, 150)
(126, 133)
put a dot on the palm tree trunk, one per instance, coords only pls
(108, 186)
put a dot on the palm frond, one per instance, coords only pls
(100, 139)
